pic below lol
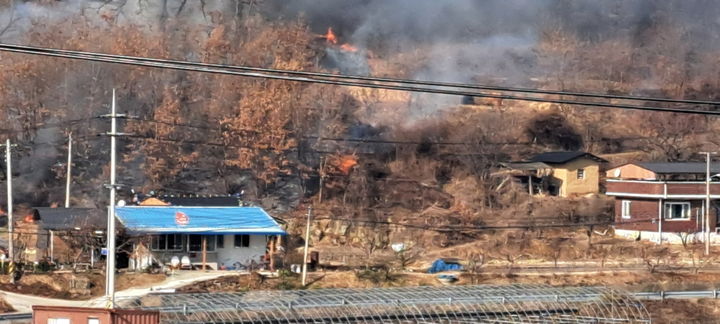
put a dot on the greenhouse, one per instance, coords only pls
(450, 304)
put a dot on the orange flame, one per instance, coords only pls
(330, 36)
(347, 163)
(348, 48)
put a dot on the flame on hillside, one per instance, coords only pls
(341, 164)
(330, 36)
(348, 48)
(347, 162)
(332, 39)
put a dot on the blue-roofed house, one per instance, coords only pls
(219, 237)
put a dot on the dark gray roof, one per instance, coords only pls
(58, 219)
(679, 167)
(563, 157)
(526, 165)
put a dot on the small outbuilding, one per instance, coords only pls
(564, 174)
(76, 315)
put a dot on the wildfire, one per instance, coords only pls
(347, 162)
(330, 36)
(348, 48)
(332, 39)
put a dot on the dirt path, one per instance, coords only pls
(24, 303)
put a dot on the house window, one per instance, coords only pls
(166, 242)
(58, 321)
(677, 210)
(92, 320)
(195, 243)
(242, 241)
(220, 241)
(625, 210)
(581, 174)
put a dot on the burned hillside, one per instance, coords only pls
(355, 154)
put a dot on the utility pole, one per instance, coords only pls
(110, 265)
(68, 181)
(707, 202)
(8, 180)
(307, 245)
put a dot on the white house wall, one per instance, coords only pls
(230, 255)
(667, 237)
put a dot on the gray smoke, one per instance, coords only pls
(495, 41)
(489, 41)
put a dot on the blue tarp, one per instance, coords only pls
(440, 265)
(197, 220)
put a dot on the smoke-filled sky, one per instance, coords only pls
(490, 41)
(469, 20)
(492, 33)
(643, 42)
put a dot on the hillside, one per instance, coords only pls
(363, 158)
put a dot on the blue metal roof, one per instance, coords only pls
(197, 220)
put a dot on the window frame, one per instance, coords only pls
(626, 209)
(687, 210)
(93, 320)
(580, 174)
(211, 243)
(178, 243)
(59, 320)
(242, 242)
(219, 241)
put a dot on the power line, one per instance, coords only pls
(367, 78)
(171, 140)
(380, 141)
(186, 66)
(69, 122)
(173, 123)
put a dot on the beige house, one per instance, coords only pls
(564, 174)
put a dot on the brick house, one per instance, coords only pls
(663, 201)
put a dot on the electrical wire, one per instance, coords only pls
(69, 123)
(433, 90)
(367, 78)
(173, 123)
(380, 141)
(171, 140)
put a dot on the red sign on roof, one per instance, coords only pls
(181, 218)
